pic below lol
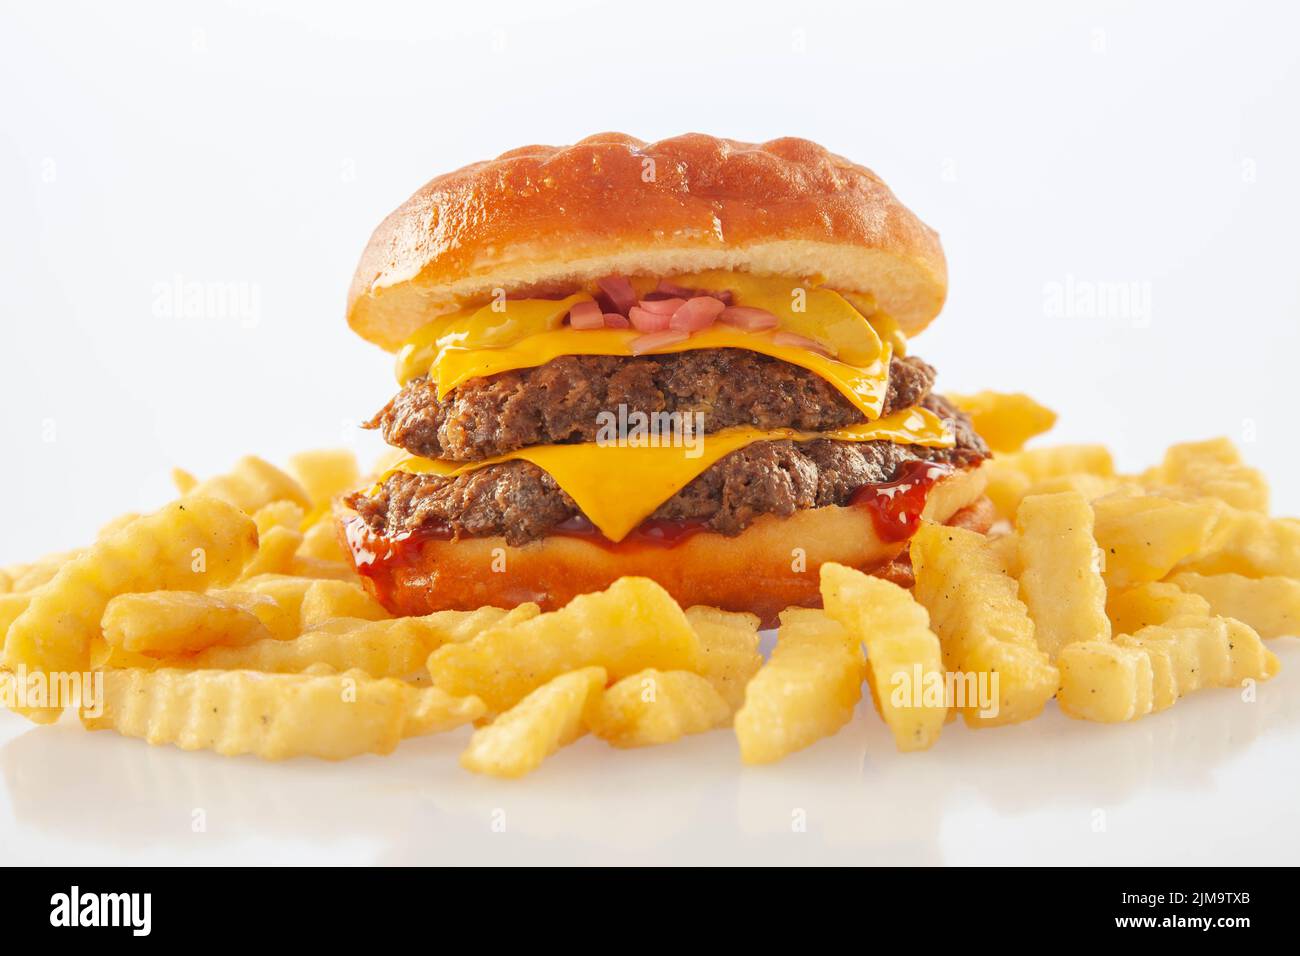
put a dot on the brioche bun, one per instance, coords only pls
(544, 219)
(758, 570)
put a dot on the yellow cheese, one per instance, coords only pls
(802, 307)
(865, 387)
(617, 486)
(503, 322)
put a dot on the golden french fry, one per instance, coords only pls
(1060, 578)
(321, 542)
(657, 707)
(1250, 544)
(184, 481)
(1012, 476)
(287, 590)
(546, 719)
(329, 599)
(1132, 609)
(1149, 670)
(807, 690)
(251, 484)
(117, 524)
(325, 474)
(632, 625)
(179, 622)
(309, 567)
(278, 514)
(191, 544)
(1209, 469)
(1105, 681)
(273, 715)
(1269, 605)
(904, 659)
(11, 605)
(397, 647)
(28, 577)
(1005, 420)
(984, 629)
(1143, 538)
(729, 655)
(275, 553)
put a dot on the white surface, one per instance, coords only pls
(1211, 781)
(1050, 144)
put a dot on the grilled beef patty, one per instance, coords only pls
(520, 501)
(558, 403)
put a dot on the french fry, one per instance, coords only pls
(329, 599)
(287, 590)
(309, 567)
(1132, 609)
(321, 541)
(273, 715)
(1005, 420)
(184, 481)
(278, 514)
(180, 622)
(1149, 670)
(807, 690)
(1246, 543)
(984, 629)
(392, 648)
(548, 718)
(1060, 578)
(632, 625)
(1105, 681)
(250, 485)
(1269, 605)
(1143, 538)
(325, 474)
(1012, 476)
(729, 655)
(191, 544)
(28, 577)
(904, 660)
(1209, 469)
(657, 707)
(11, 605)
(116, 524)
(275, 553)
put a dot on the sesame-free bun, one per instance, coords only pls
(544, 219)
(771, 565)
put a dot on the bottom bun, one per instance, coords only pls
(771, 565)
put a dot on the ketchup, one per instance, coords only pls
(896, 506)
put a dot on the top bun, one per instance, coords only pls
(542, 219)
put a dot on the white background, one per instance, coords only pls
(1078, 147)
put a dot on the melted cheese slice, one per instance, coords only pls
(865, 386)
(589, 472)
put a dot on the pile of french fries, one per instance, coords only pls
(232, 621)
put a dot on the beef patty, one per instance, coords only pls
(522, 502)
(558, 403)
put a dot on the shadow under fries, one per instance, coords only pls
(848, 799)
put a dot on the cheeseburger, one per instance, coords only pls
(688, 360)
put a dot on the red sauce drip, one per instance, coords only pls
(896, 506)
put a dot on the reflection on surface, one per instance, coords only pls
(72, 796)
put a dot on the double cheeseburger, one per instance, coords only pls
(687, 360)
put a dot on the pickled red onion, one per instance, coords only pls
(698, 313)
(586, 315)
(747, 318)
